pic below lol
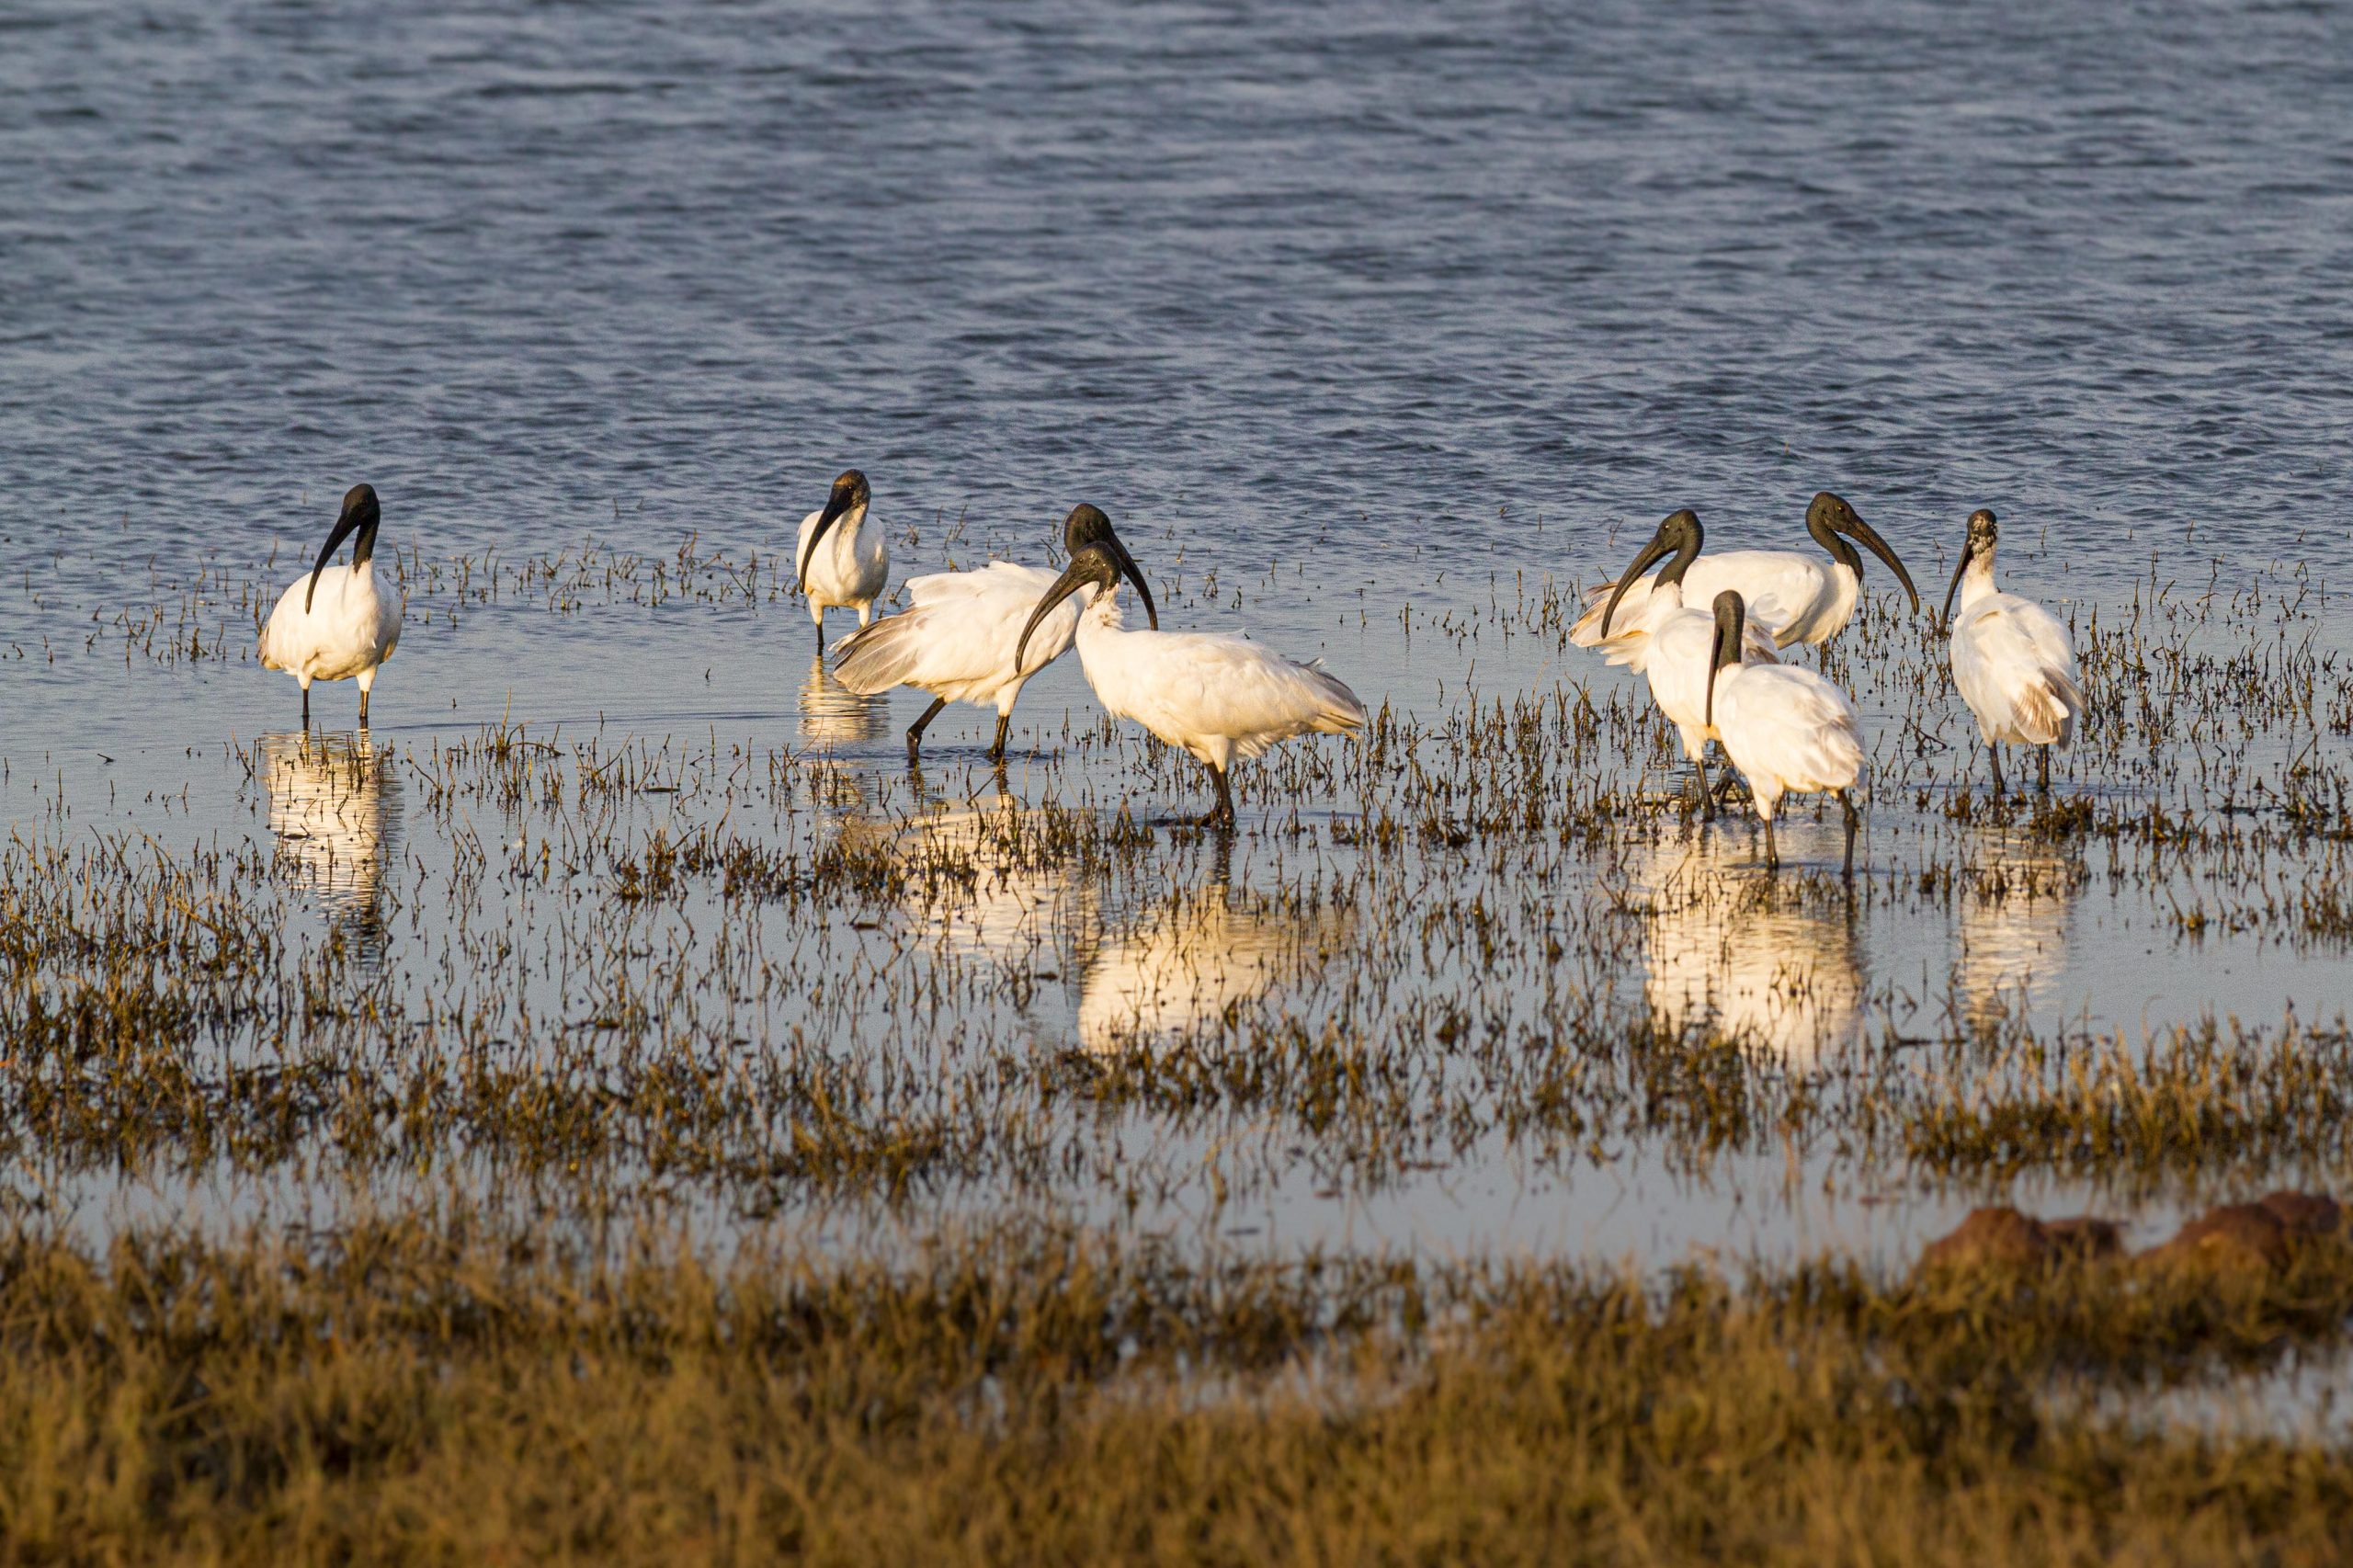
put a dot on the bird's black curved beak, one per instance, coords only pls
(1090, 565)
(1732, 617)
(843, 499)
(1968, 548)
(1859, 529)
(1658, 547)
(360, 515)
(1134, 573)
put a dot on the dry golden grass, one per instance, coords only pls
(443, 1390)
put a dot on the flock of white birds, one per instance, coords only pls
(977, 637)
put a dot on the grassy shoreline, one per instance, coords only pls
(446, 1390)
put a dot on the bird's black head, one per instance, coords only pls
(850, 494)
(361, 514)
(1087, 526)
(1725, 651)
(1679, 534)
(1092, 564)
(1979, 546)
(1829, 518)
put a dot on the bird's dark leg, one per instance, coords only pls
(1772, 853)
(1995, 752)
(1847, 805)
(363, 709)
(2042, 762)
(996, 747)
(1220, 815)
(916, 730)
(306, 710)
(1707, 800)
(1731, 780)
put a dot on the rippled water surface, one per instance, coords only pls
(1373, 328)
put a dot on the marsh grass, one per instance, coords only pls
(722, 1144)
(439, 1385)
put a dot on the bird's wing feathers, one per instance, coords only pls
(1210, 683)
(1790, 723)
(2011, 655)
(961, 632)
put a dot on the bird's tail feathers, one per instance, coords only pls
(2047, 709)
(875, 658)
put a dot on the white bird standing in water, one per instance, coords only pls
(1670, 643)
(2010, 657)
(335, 623)
(1787, 730)
(1217, 697)
(1798, 598)
(958, 639)
(844, 560)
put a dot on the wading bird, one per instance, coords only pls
(334, 623)
(853, 568)
(1797, 597)
(957, 641)
(1217, 697)
(1787, 730)
(2010, 657)
(1668, 644)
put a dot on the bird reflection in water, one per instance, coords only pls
(2016, 904)
(834, 715)
(983, 887)
(992, 887)
(1744, 961)
(335, 811)
(1183, 964)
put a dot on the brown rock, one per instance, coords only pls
(2302, 1213)
(1993, 1239)
(2235, 1238)
(2084, 1239)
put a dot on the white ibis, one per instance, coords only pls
(958, 640)
(1668, 644)
(1799, 597)
(335, 623)
(2010, 657)
(842, 558)
(1787, 730)
(1217, 697)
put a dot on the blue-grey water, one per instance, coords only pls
(1359, 306)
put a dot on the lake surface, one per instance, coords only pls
(1369, 328)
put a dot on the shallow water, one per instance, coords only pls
(1369, 332)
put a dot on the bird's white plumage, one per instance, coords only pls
(1787, 731)
(850, 566)
(1217, 697)
(2014, 665)
(349, 629)
(1670, 645)
(1798, 598)
(957, 639)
